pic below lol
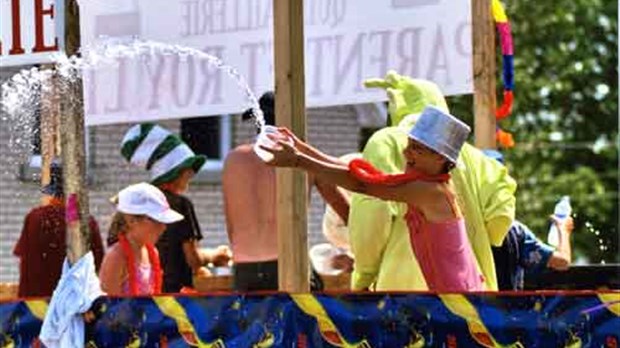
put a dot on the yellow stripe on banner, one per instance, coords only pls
(612, 300)
(311, 306)
(460, 306)
(171, 308)
(38, 308)
(498, 12)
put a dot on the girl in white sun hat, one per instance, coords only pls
(131, 266)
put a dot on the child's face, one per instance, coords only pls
(182, 182)
(422, 158)
(146, 229)
(155, 230)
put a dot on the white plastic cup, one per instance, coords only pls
(264, 140)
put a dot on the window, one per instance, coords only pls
(210, 136)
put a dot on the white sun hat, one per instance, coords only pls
(146, 199)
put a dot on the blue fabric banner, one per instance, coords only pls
(546, 319)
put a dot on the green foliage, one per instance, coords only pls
(565, 119)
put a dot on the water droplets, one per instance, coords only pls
(602, 242)
(149, 53)
(22, 102)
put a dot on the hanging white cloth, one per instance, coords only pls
(77, 289)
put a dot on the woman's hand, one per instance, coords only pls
(297, 143)
(284, 155)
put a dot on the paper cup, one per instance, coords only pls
(264, 140)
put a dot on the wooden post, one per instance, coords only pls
(291, 112)
(483, 39)
(72, 139)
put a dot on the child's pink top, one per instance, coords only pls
(145, 281)
(443, 252)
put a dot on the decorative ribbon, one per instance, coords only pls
(505, 37)
(156, 273)
(367, 173)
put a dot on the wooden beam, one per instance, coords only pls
(290, 112)
(483, 39)
(72, 141)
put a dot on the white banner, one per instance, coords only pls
(30, 31)
(346, 42)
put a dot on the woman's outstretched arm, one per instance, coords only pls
(310, 150)
(338, 174)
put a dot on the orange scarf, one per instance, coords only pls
(156, 275)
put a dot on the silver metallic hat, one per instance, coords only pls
(441, 132)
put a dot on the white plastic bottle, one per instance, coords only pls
(562, 211)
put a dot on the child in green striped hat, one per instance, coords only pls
(172, 164)
(160, 151)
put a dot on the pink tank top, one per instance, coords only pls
(145, 283)
(443, 252)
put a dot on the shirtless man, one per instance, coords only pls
(250, 207)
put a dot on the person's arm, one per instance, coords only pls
(338, 174)
(308, 149)
(562, 257)
(190, 235)
(113, 270)
(335, 198)
(194, 256)
(197, 257)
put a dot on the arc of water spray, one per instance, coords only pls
(18, 97)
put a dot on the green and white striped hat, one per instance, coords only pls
(159, 151)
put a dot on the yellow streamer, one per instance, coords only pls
(170, 307)
(498, 12)
(611, 299)
(311, 306)
(460, 306)
(38, 308)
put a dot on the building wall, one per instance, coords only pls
(334, 130)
